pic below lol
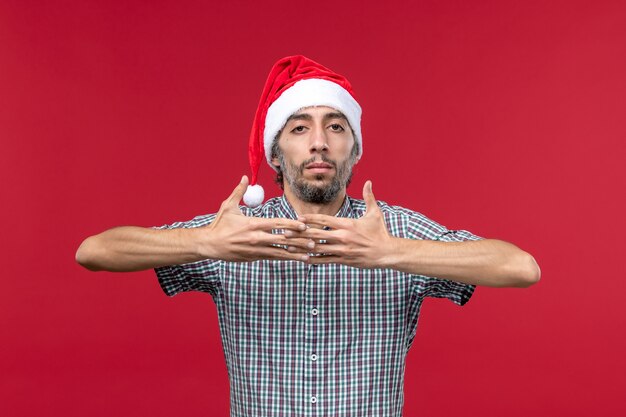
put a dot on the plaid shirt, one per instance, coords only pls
(317, 340)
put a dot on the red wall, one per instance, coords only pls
(505, 118)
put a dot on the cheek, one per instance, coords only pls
(297, 156)
(344, 147)
(294, 147)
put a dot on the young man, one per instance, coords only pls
(318, 294)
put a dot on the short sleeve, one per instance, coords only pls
(196, 276)
(421, 227)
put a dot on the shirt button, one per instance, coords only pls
(314, 357)
(314, 311)
(313, 400)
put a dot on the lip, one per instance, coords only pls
(318, 170)
(319, 165)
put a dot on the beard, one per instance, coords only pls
(317, 194)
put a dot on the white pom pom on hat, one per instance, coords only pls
(295, 82)
(254, 195)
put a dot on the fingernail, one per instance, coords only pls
(288, 233)
(310, 245)
(302, 227)
(304, 258)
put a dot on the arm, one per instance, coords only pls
(130, 248)
(366, 243)
(488, 262)
(230, 237)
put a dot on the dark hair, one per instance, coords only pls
(276, 153)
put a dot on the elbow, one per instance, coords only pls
(528, 271)
(86, 255)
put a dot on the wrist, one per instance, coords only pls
(399, 253)
(199, 243)
(391, 253)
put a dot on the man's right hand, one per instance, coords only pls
(230, 237)
(235, 237)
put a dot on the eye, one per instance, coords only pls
(336, 127)
(298, 129)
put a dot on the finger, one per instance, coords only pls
(328, 249)
(368, 196)
(280, 254)
(235, 197)
(326, 259)
(261, 240)
(315, 234)
(294, 249)
(325, 220)
(277, 223)
(304, 244)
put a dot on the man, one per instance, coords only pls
(318, 294)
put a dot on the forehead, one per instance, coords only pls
(320, 111)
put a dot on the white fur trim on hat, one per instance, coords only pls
(307, 93)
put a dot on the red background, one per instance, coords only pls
(505, 118)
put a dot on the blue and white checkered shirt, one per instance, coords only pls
(317, 340)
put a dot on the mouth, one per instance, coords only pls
(318, 167)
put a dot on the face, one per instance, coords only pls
(316, 153)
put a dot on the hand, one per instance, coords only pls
(363, 243)
(235, 237)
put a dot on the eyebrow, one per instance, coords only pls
(308, 117)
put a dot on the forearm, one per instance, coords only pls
(488, 262)
(130, 248)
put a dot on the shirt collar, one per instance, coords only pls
(286, 210)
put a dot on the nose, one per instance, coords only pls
(319, 141)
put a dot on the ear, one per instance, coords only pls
(275, 160)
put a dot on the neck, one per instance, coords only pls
(302, 207)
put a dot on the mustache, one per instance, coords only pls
(323, 158)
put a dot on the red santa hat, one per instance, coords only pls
(295, 82)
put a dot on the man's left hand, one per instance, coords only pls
(362, 243)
